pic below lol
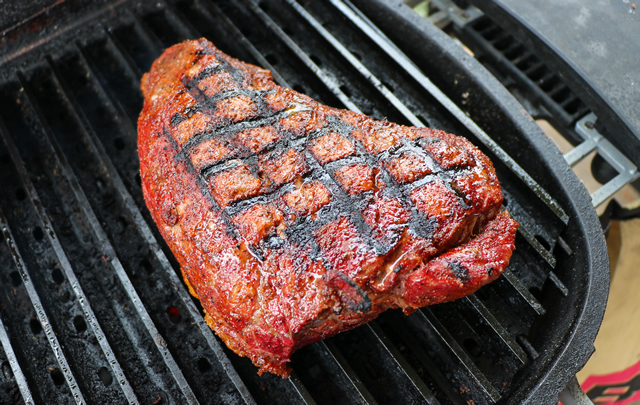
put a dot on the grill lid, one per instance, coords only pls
(597, 57)
(92, 293)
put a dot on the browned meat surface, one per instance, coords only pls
(293, 221)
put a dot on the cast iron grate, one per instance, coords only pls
(548, 96)
(93, 306)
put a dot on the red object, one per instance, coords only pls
(619, 388)
(282, 241)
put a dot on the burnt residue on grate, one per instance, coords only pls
(81, 261)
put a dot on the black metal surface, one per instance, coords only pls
(593, 46)
(19, 11)
(540, 90)
(73, 218)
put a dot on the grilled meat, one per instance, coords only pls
(293, 221)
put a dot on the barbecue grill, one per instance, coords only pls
(92, 305)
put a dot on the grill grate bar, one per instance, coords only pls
(15, 366)
(242, 39)
(558, 283)
(536, 245)
(329, 82)
(330, 350)
(533, 353)
(426, 361)
(104, 88)
(187, 30)
(177, 19)
(497, 327)
(427, 315)
(108, 250)
(515, 282)
(301, 389)
(405, 63)
(122, 52)
(42, 315)
(140, 347)
(147, 234)
(402, 363)
(148, 32)
(403, 109)
(83, 301)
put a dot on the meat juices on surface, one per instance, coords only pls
(293, 221)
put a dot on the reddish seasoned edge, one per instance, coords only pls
(259, 192)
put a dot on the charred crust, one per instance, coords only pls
(227, 129)
(360, 303)
(461, 272)
(206, 72)
(236, 73)
(184, 115)
(273, 242)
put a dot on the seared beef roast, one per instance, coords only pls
(294, 221)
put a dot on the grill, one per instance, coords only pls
(92, 307)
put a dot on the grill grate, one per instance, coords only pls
(89, 316)
(120, 324)
(147, 234)
(520, 67)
